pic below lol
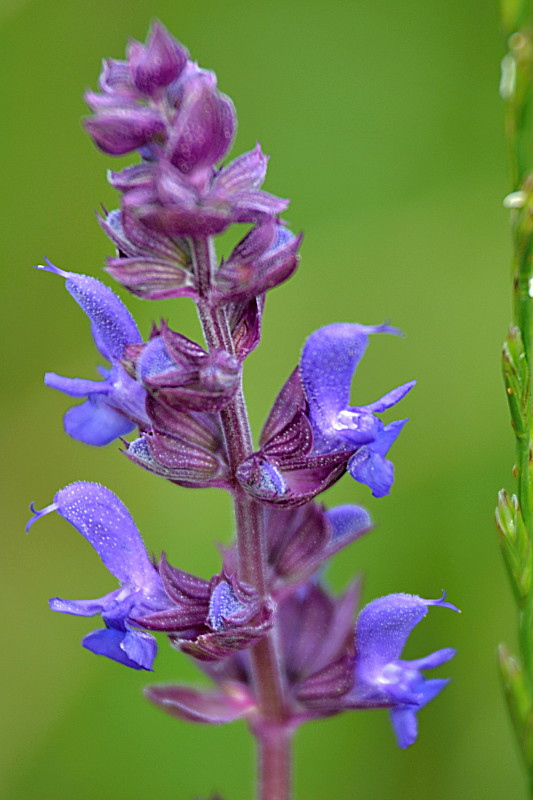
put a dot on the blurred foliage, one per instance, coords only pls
(385, 127)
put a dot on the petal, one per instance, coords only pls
(368, 467)
(223, 604)
(82, 608)
(195, 705)
(368, 464)
(204, 126)
(348, 522)
(435, 659)
(126, 127)
(157, 63)
(96, 423)
(131, 648)
(75, 387)
(404, 720)
(107, 525)
(329, 359)
(248, 171)
(112, 325)
(384, 625)
(388, 400)
(405, 725)
(140, 647)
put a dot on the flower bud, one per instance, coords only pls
(157, 63)
(120, 130)
(204, 124)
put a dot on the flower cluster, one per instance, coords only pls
(185, 403)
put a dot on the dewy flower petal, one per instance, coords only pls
(116, 405)
(382, 678)
(108, 526)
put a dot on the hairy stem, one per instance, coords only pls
(274, 763)
(268, 680)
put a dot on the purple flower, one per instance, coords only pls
(115, 405)
(382, 678)
(108, 526)
(329, 360)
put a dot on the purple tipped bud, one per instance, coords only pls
(115, 78)
(157, 63)
(123, 129)
(266, 257)
(204, 125)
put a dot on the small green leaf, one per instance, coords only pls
(513, 14)
(516, 379)
(518, 700)
(515, 544)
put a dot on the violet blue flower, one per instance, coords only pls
(382, 678)
(115, 405)
(107, 525)
(329, 360)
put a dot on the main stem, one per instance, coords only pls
(272, 732)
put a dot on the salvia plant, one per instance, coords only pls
(279, 648)
(514, 513)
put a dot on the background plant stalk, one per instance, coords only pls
(515, 514)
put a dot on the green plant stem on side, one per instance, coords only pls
(517, 527)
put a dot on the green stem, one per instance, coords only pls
(517, 91)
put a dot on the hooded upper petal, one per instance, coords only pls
(329, 360)
(117, 404)
(112, 325)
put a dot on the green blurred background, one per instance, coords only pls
(384, 125)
